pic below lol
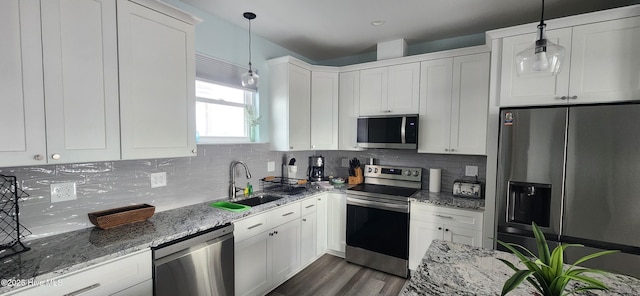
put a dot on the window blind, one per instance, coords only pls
(221, 72)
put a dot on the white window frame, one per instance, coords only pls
(212, 70)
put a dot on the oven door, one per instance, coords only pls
(378, 234)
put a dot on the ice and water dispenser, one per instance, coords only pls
(529, 202)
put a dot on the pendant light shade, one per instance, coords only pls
(250, 78)
(542, 58)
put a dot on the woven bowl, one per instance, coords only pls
(120, 216)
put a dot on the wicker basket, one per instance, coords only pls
(120, 216)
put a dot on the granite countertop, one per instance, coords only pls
(67, 252)
(448, 200)
(455, 269)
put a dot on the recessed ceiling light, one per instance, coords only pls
(377, 23)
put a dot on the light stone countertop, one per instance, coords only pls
(455, 269)
(448, 200)
(67, 252)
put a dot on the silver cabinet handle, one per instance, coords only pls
(194, 151)
(304, 220)
(452, 150)
(85, 289)
(287, 214)
(563, 98)
(442, 216)
(290, 147)
(56, 156)
(254, 226)
(309, 206)
(38, 157)
(446, 149)
(574, 97)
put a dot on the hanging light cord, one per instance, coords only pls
(541, 15)
(250, 46)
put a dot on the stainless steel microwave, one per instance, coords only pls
(395, 132)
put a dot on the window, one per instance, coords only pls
(222, 102)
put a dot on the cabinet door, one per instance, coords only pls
(157, 83)
(21, 84)
(252, 265)
(463, 235)
(435, 106)
(605, 65)
(321, 224)
(516, 91)
(324, 110)
(469, 104)
(80, 57)
(337, 226)
(284, 247)
(144, 288)
(404, 89)
(299, 108)
(420, 236)
(373, 91)
(308, 238)
(349, 97)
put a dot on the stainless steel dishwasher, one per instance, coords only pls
(201, 264)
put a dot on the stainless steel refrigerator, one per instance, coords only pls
(575, 171)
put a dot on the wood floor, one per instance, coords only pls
(331, 275)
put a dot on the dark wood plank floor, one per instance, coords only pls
(331, 275)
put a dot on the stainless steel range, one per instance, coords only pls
(378, 218)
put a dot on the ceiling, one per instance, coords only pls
(327, 29)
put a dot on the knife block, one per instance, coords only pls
(357, 179)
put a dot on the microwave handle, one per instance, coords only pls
(403, 131)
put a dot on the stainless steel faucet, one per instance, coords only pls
(232, 171)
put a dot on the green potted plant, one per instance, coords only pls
(546, 273)
(253, 120)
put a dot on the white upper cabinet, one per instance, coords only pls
(516, 91)
(80, 58)
(349, 96)
(605, 64)
(290, 99)
(390, 90)
(324, 110)
(157, 83)
(21, 84)
(454, 105)
(601, 65)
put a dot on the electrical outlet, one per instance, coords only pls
(158, 179)
(345, 162)
(63, 192)
(271, 166)
(471, 170)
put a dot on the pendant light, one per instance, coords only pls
(250, 78)
(543, 58)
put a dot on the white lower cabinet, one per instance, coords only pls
(126, 275)
(253, 265)
(285, 251)
(336, 223)
(321, 223)
(430, 223)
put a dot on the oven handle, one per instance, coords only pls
(402, 208)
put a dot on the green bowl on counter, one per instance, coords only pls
(229, 206)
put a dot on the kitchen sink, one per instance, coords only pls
(258, 200)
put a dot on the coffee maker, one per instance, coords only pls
(316, 168)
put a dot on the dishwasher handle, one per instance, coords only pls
(189, 242)
(186, 252)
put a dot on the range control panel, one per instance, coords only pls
(393, 172)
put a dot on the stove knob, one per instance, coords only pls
(375, 170)
(370, 170)
(408, 173)
(416, 173)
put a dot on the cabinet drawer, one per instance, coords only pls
(308, 205)
(285, 214)
(250, 226)
(455, 217)
(102, 279)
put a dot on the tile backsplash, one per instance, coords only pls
(190, 180)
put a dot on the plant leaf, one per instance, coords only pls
(515, 280)
(594, 255)
(531, 281)
(512, 247)
(543, 248)
(592, 283)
